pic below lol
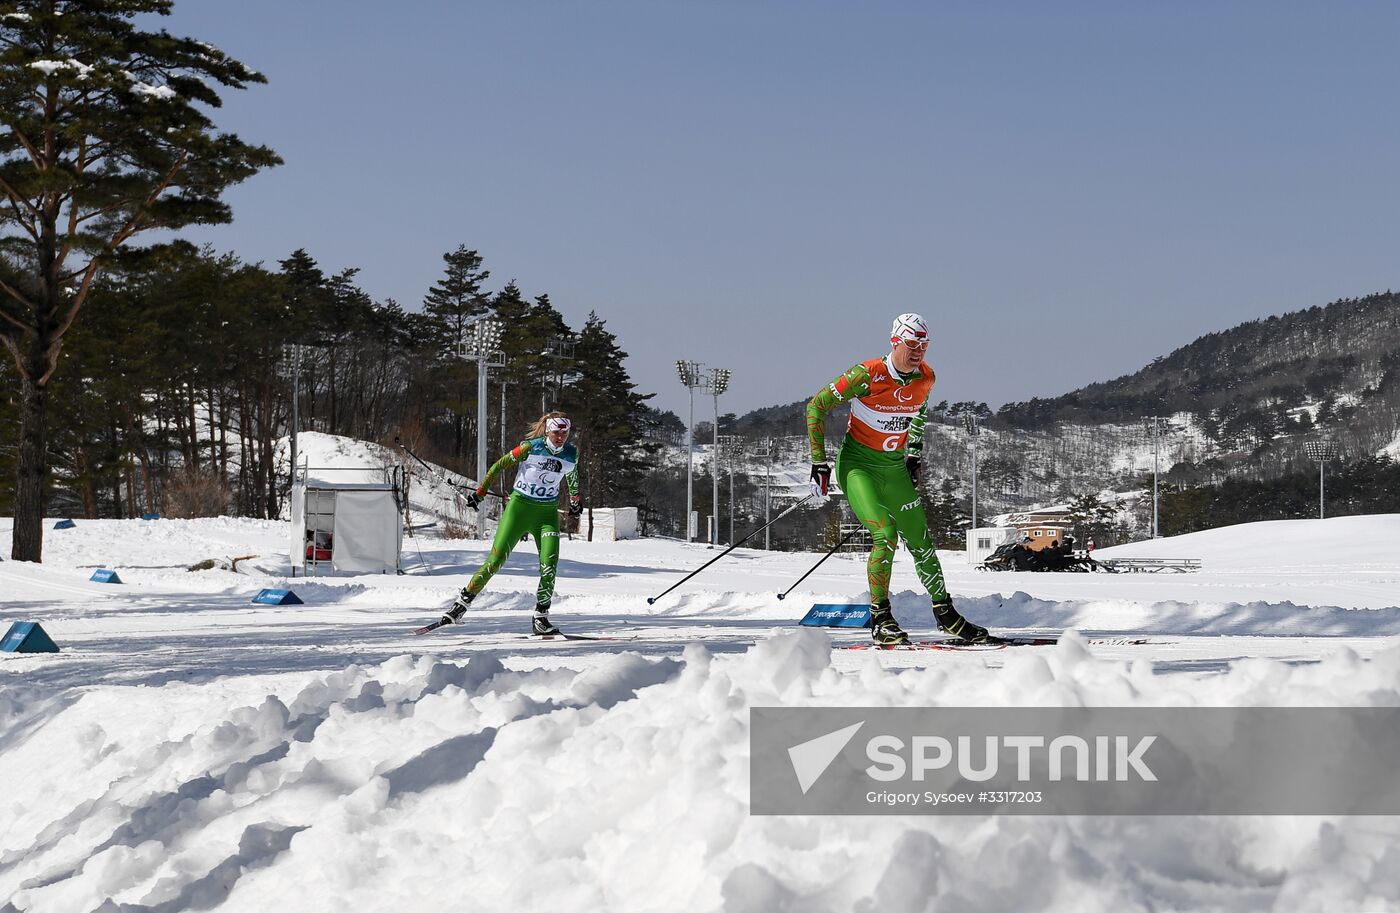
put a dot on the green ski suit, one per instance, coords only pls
(876, 481)
(533, 509)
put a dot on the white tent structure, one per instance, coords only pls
(353, 527)
(611, 523)
(982, 542)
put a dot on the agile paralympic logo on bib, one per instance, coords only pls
(1044, 761)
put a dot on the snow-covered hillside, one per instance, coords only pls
(190, 750)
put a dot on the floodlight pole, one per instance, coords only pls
(717, 380)
(559, 350)
(1153, 424)
(1321, 451)
(504, 442)
(296, 408)
(732, 446)
(296, 354)
(973, 430)
(480, 421)
(1322, 489)
(714, 461)
(690, 465)
(770, 450)
(1156, 468)
(480, 346)
(731, 499)
(689, 373)
(768, 494)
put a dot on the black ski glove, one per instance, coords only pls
(575, 509)
(911, 464)
(474, 500)
(821, 479)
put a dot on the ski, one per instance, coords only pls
(441, 622)
(1000, 643)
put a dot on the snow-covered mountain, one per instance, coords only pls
(1238, 403)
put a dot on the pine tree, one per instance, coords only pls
(456, 300)
(946, 519)
(306, 296)
(100, 139)
(608, 412)
(1090, 518)
(557, 356)
(532, 362)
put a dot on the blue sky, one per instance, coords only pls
(1064, 190)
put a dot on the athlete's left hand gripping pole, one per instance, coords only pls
(652, 599)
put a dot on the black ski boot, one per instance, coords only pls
(453, 615)
(542, 626)
(954, 624)
(885, 631)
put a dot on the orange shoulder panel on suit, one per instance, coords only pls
(880, 420)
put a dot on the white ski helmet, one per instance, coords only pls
(909, 326)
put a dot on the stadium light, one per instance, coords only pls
(480, 342)
(767, 449)
(559, 350)
(973, 430)
(732, 446)
(1320, 452)
(689, 373)
(294, 356)
(715, 382)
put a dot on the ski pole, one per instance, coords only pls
(819, 563)
(652, 599)
(435, 473)
(406, 449)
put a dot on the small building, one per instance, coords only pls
(351, 527)
(1042, 527)
(610, 523)
(982, 542)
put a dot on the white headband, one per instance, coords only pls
(559, 423)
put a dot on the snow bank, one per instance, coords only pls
(1280, 545)
(316, 767)
(418, 784)
(1178, 617)
(162, 544)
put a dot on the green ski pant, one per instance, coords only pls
(883, 498)
(520, 517)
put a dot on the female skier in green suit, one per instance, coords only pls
(546, 460)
